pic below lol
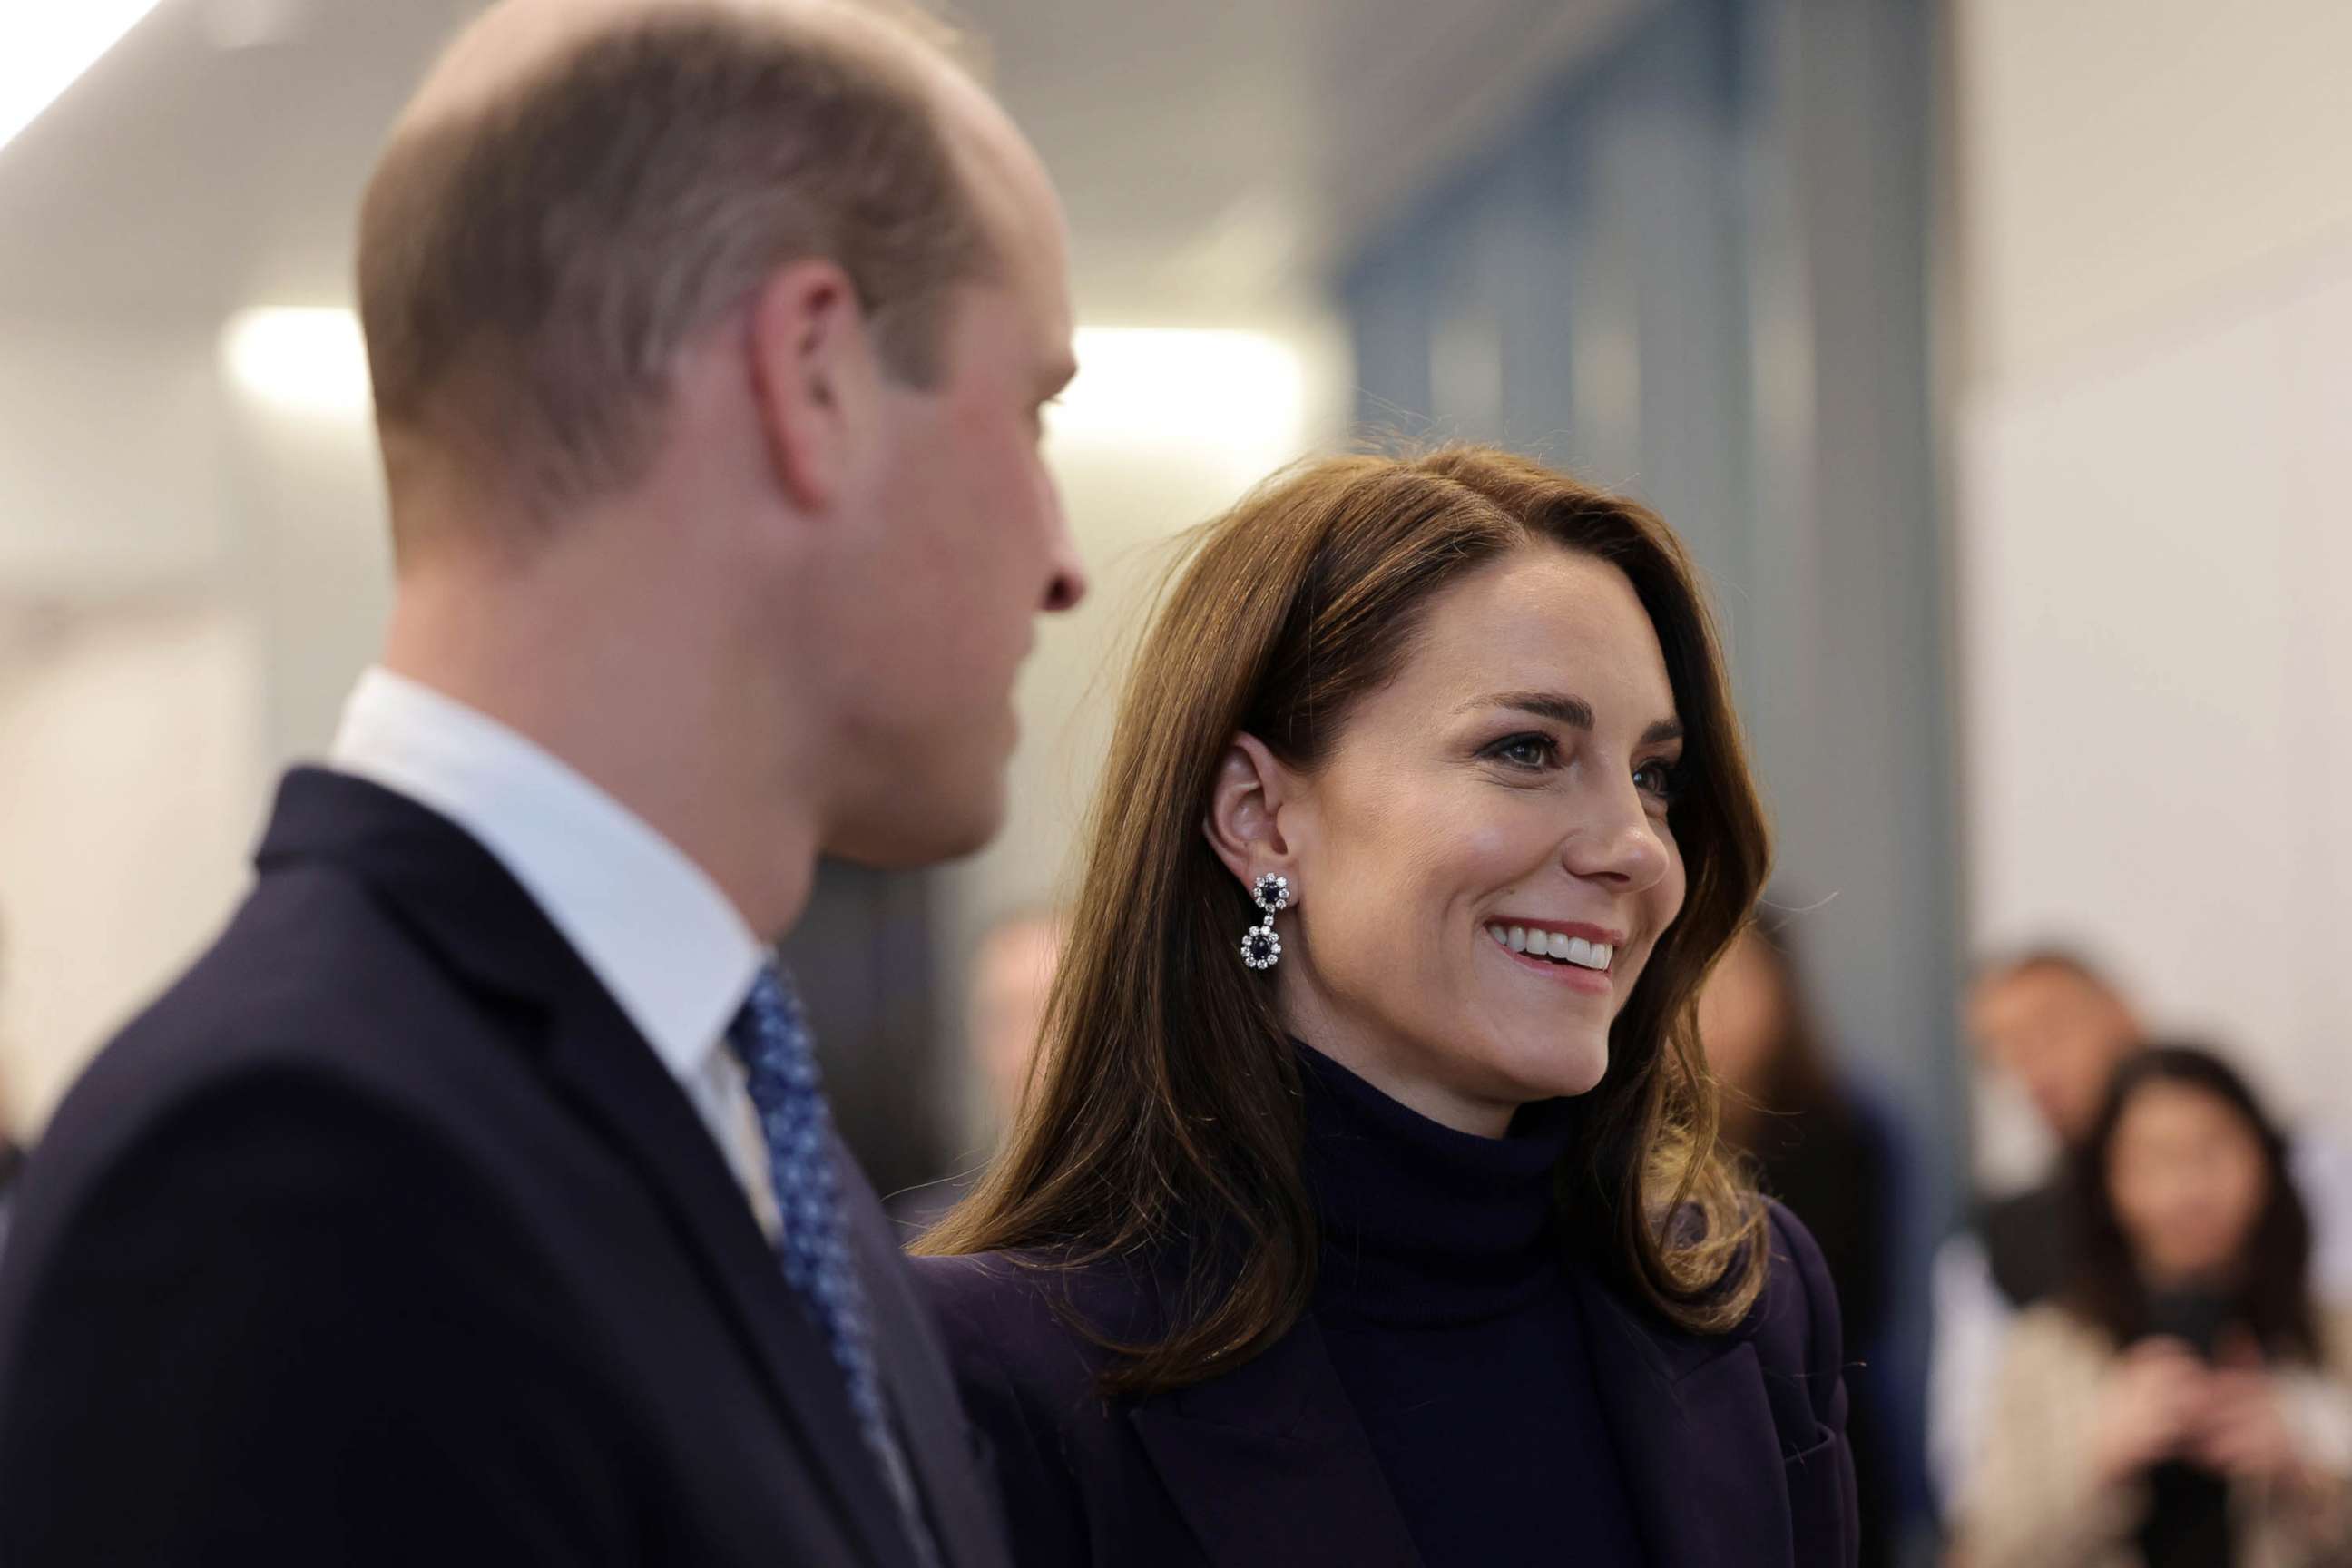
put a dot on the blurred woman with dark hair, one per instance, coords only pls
(1367, 1207)
(2184, 1404)
(1833, 1157)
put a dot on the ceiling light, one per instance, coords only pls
(1152, 386)
(46, 45)
(306, 362)
(1139, 385)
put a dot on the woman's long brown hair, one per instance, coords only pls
(1162, 1120)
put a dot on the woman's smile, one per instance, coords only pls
(1574, 953)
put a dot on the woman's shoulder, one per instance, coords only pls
(991, 1289)
(1028, 1369)
(1795, 1323)
(1006, 1289)
(989, 1296)
(1030, 1320)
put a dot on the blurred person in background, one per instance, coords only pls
(2056, 1026)
(1011, 979)
(474, 1198)
(1821, 1149)
(12, 1155)
(2183, 1401)
(12, 1166)
(1367, 1207)
(12, 1163)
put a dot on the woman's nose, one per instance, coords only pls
(1622, 844)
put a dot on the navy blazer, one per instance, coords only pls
(385, 1238)
(1733, 1446)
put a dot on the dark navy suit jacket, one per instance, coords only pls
(384, 1237)
(1733, 1446)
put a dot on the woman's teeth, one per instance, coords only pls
(1552, 945)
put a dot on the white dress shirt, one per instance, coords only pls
(649, 923)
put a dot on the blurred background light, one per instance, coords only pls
(44, 45)
(1156, 385)
(299, 360)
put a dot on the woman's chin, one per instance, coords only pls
(1554, 1069)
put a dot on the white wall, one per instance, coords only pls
(111, 452)
(131, 787)
(2154, 540)
(2130, 166)
(188, 584)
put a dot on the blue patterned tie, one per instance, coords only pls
(771, 1037)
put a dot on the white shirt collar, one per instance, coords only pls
(650, 923)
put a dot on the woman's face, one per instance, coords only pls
(2188, 1179)
(1505, 795)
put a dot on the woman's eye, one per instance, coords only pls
(1661, 780)
(1523, 750)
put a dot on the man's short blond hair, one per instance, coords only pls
(530, 269)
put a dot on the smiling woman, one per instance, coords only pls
(1404, 1236)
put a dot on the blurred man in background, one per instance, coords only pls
(475, 1198)
(1004, 1022)
(2053, 1028)
(2056, 1027)
(1012, 981)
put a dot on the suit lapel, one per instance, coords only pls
(1279, 1427)
(458, 899)
(615, 1080)
(1695, 1439)
(930, 1419)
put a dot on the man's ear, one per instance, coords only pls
(1244, 822)
(815, 378)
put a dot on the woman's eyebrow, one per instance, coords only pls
(1573, 711)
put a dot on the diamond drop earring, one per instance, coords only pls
(1261, 945)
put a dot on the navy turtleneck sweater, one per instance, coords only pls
(1444, 1296)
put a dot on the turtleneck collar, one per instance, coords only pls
(1424, 1225)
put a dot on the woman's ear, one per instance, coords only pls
(1245, 808)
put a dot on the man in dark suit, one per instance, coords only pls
(474, 1198)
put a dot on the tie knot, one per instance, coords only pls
(769, 1036)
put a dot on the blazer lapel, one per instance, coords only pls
(1270, 1463)
(616, 1079)
(456, 898)
(1695, 1439)
(914, 1366)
